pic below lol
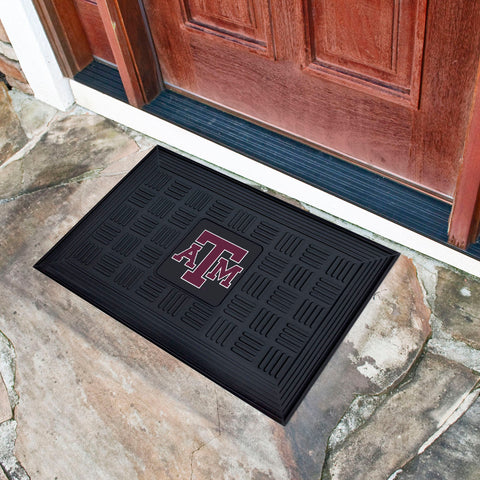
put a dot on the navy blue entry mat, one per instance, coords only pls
(248, 290)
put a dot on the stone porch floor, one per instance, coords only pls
(82, 397)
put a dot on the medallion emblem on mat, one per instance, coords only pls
(209, 261)
(214, 266)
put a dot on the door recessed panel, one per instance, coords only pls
(345, 38)
(244, 22)
(372, 43)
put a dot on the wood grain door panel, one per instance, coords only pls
(387, 127)
(243, 22)
(377, 44)
(93, 27)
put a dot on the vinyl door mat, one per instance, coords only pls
(248, 290)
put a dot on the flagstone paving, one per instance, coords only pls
(83, 397)
(12, 135)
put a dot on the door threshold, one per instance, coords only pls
(345, 191)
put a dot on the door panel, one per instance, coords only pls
(352, 76)
(93, 26)
(244, 22)
(374, 43)
(319, 109)
(364, 34)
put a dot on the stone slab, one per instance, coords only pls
(18, 85)
(8, 462)
(5, 408)
(402, 422)
(7, 376)
(11, 180)
(394, 327)
(457, 306)
(378, 352)
(12, 135)
(453, 456)
(7, 51)
(34, 115)
(3, 34)
(11, 68)
(74, 147)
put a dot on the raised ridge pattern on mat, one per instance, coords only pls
(266, 335)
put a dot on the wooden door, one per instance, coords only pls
(91, 21)
(381, 82)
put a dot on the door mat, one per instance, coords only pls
(248, 290)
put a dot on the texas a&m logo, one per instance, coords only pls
(214, 266)
(209, 261)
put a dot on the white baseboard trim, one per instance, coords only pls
(250, 171)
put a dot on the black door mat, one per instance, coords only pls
(248, 290)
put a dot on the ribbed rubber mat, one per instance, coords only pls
(248, 290)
